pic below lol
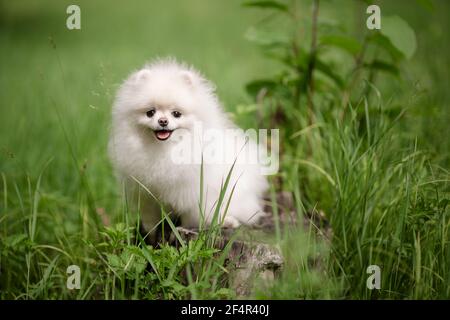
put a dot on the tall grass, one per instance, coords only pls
(361, 163)
(379, 172)
(389, 207)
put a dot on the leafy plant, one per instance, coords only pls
(342, 154)
(310, 68)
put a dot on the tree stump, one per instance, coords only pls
(250, 260)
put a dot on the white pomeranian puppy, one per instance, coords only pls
(166, 121)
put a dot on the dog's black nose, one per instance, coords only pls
(163, 122)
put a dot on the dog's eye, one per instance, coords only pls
(150, 113)
(176, 114)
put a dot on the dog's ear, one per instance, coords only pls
(143, 74)
(189, 78)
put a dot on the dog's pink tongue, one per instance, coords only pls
(163, 134)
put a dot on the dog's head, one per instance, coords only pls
(164, 97)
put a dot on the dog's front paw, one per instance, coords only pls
(230, 222)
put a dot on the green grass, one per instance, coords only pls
(380, 174)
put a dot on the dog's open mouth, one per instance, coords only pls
(163, 134)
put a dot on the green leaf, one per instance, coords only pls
(383, 66)
(223, 293)
(246, 108)
(384, 43)
(177, 287)
(328, 71)
(346, 43)
(266, 4)
(114, 260)
(13, 241)
(400, 34)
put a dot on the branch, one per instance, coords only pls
(312, 60)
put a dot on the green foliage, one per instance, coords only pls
(364, 124)
(351, 45)
(400, 34)
(344, 153)
(266, 4)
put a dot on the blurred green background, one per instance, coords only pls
(54, 79)
(47, 69)
(57, 87)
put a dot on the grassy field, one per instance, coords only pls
(380, 173)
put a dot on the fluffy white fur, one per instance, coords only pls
(166, 86)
